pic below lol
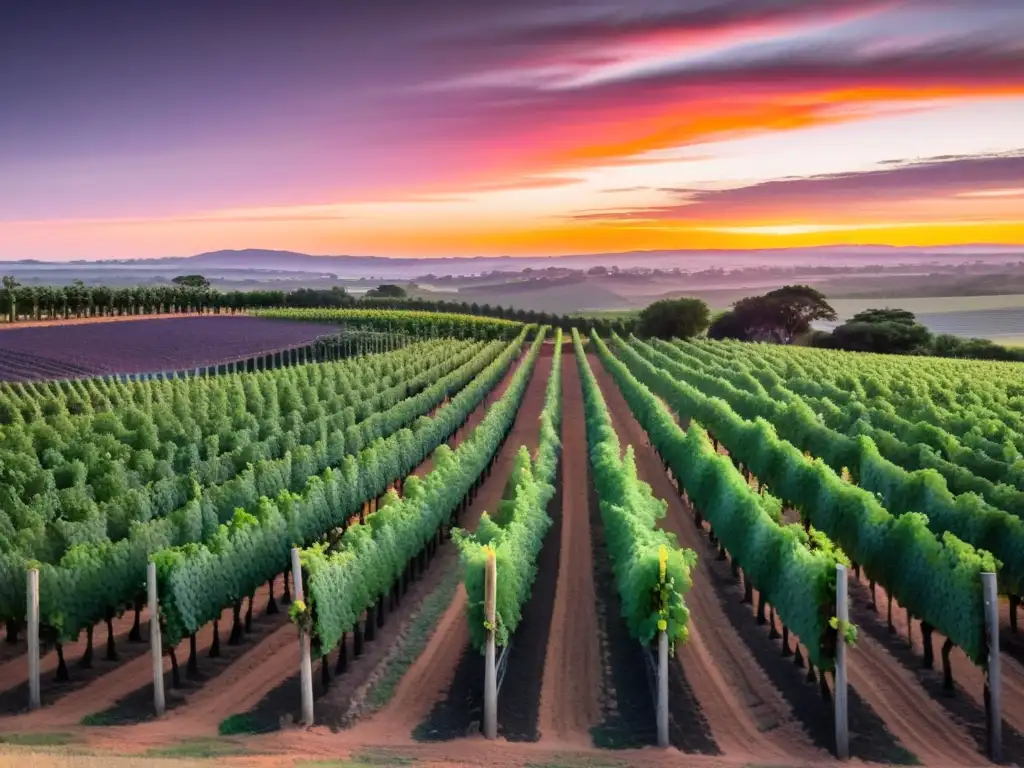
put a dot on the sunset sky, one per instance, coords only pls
(527, 127)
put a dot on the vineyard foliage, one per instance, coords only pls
(794, 570)
(194, 585)
(966, 516)
(370, 558)
(268, 478)
(652, 572)
(211, 445)
(969, 463)
(515, 533)
(442, 324)
(937, 580)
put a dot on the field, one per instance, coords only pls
(95, 348)
(999, 318)
(629, 495)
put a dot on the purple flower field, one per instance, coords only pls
(138, 346)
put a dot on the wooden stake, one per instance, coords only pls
(994, 681)
(306, 663)
(662, 689)
(490, 670)
(840, 695)
(33, 639)
(155, 643)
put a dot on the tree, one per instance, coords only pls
(781, 314)
(728, 325)
(947, 345)
(674, 318)
(191, 281)
(886, 315)
(387, 291)
(10, 285)
(888, 331)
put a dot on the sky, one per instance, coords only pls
(461, 127)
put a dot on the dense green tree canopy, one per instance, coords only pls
(674, 318)
(191, 281)
(781, 314)
(387, 291)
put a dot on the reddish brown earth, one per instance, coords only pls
(966, 674)
(14, 671)
(260, 668)
(909, 712)
(738, 701)
(570, 695)
(428, 679)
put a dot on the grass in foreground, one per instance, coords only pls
(46, 739)
(201, 748)
(411, 644)
(241, 723)
(578, 761)
(374, 759)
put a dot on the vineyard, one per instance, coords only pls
(344, 531)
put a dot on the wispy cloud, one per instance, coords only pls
(517, 112)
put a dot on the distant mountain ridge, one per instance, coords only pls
(352, 266)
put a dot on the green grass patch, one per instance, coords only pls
(44, 739)
(578, 761)
(412, 643)
(99, 718)
(374, 759)
(243, 722)
(200, 748)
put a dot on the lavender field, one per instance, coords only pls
(62, 351)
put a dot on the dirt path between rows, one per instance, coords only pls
(277, 658)
(14, 672)
(909, 713)
(738, 700)
(132, 677)
(570, 695)
(429, 677)
(966, 707)
(237, 688)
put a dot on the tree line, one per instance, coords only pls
(193, 293)
(786, 315)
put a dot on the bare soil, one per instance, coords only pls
(746, 714)
(14, 671)
(570, 696)
(886, 702)
(964, 705)
(273, 697)
(456, 711)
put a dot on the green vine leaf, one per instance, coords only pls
(847, 629)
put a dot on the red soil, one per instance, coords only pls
(570, 696)
(733, 692)
(14, 671)
(920, 723)
(428, 678)
(968, 675)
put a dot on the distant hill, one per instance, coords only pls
(354, 267)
